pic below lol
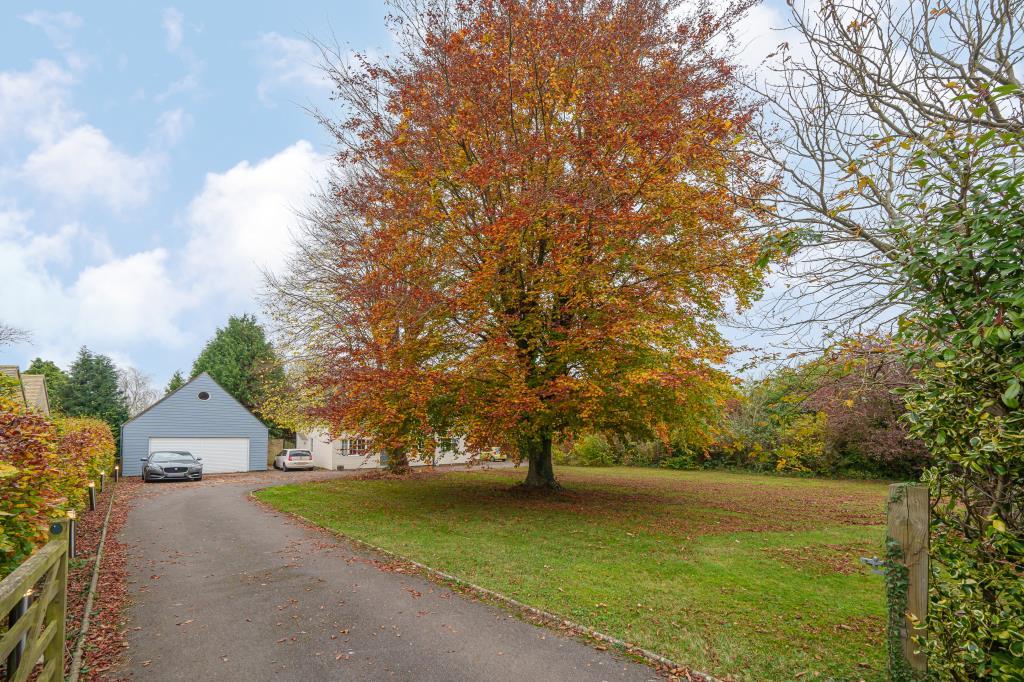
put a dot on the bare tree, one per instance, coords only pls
(850, 106)
(10, 336)
(137, 388)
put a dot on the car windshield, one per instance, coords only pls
(172, 457)
(300, 452)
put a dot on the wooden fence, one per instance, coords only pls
(908, 527)
(34, 600)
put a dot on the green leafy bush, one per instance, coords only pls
(964, 264)
(559, 455)
(593, 450)
(684, 461)
(802, 446)
(835, 415)
(645, 453)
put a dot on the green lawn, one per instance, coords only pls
(742, 576)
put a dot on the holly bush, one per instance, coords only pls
(963, 261)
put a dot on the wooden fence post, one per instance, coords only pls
(908, 526)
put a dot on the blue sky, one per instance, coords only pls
(152, 158)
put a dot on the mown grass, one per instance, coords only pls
(742, 576)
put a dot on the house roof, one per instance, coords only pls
(36, 396)
(15, 373)
(186, 385)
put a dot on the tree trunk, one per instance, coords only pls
(541, 473)
(398, 461)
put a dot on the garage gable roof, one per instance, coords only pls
(202, 377)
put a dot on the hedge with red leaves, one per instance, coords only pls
(45, 467)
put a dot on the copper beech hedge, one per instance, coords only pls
(45, 468)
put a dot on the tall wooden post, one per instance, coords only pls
(908, 526)
(57, 609)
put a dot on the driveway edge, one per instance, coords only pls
(83, 630)
(660, 662)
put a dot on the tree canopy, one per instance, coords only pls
(92, 390)
(176, 382)
(10, 335)
(539, 212)
(137, 389)
(853, 97)
(239, 358)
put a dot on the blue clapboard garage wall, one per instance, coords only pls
(202, 418)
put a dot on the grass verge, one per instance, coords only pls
(746, 577)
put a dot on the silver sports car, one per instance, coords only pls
(166, 465)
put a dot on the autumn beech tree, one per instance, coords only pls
(538, 213)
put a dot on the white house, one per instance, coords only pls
(351, 452)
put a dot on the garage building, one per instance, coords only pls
(202, 418)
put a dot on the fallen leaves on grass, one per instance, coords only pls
(843, 559)
(680, 506)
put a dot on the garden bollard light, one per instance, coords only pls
(117, 473)
(71, 533)
(92, 496)
(103, 479)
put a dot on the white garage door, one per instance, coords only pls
(220, 455)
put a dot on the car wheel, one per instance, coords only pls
(145, 478)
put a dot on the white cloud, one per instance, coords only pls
(171, 127)
(129, 298)
(44, 143)
(34, 103)
(187, 83)
(288, 63)
(174, 39)
(37, 248)
(759, 34)
(173, 21)
(59, 27)
(241, 221)
(111, 304)
(85, 164)
(765, 29)
(72, 289)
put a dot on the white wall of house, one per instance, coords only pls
(352, 452)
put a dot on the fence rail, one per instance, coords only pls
(34, 600)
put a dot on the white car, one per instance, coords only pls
(293, 459)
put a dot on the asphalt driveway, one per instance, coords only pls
(223, 588)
